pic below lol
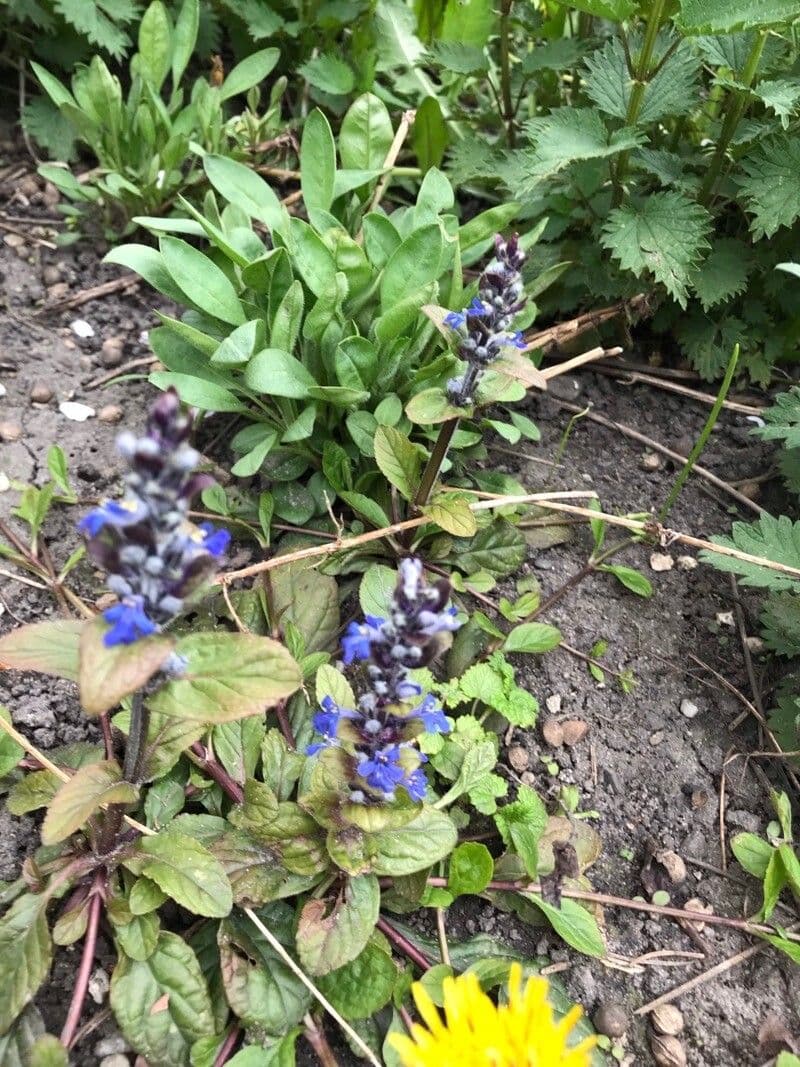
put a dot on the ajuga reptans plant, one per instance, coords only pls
(154, 557)
(379, 732)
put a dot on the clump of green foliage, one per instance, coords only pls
(659, 141)
(148, 149)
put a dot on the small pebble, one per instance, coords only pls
(2, 390)
(51, 196)
(110, 413)
(81, 328)
(99, 985)
(695, 904)
(650, 461)
(689, 709)
(672, 864)
(553, 733)
(518, 758)
(725, 618)
(51, 275)
(755, 644)
(667, 1019)
(107, 1046)
(553, 703)
(111, 351)
(14, 240)
(611, 1019)
(115, 1060)
(28, 187)
(686, 563)
(667, 1051)
(41, 393)
(57, 291)
(574, 731)
(5, 484)
(10, 431)
(527, 778)
(661, 561)
(75, 412)
(656, 738)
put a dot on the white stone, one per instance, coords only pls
(661, 561)
(553, 703)
(81, 328)
(689, 709)
(2, 389)
(5, 484)
(755, 644)
(99, 985)
(686, 563)
(77, 412)
(725, 618)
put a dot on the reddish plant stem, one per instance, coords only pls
(218, 773)
(315, 1036)
(403, 944)
(227, 1047)
(108, 740)
(85, 969)
(285, 725)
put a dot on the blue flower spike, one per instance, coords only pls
(487, 320)
(153, 556)
(380, 731)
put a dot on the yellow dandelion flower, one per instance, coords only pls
(475, 1032)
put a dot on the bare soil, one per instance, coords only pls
(651, 773)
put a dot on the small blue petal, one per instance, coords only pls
(455, 320)
(476, 307)
(129, 623)
(215, 541)
(416, 785)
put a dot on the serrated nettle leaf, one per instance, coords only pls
(728, 16)
(564, 136)
(521, 825)
(87, 791)
(47, 647)
(106, 675)
(664, 234)
(364, 986)
(186, 871)
(470, 869)
(228, 676)
(724, 273)
(774, 539)
(477, 762)
(25, 955)
(398, 460)
(329, 74)
(162, 1004)
(331, 933)
(630, 578)
(770, 193)
(532, 637)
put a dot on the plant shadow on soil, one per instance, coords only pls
(648, 771)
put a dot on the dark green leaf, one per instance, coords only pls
(470, 870)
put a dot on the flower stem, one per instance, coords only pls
(217, 772)
(641, 79)
(133, 765)
(705, 433)
(434, 464)
(227, 1047)
(403, 944)
(505, 70)
(85, 969)
(734, 110)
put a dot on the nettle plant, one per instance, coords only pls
(244, 869)
(341, 342)
(659, 140)
(147, 147)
